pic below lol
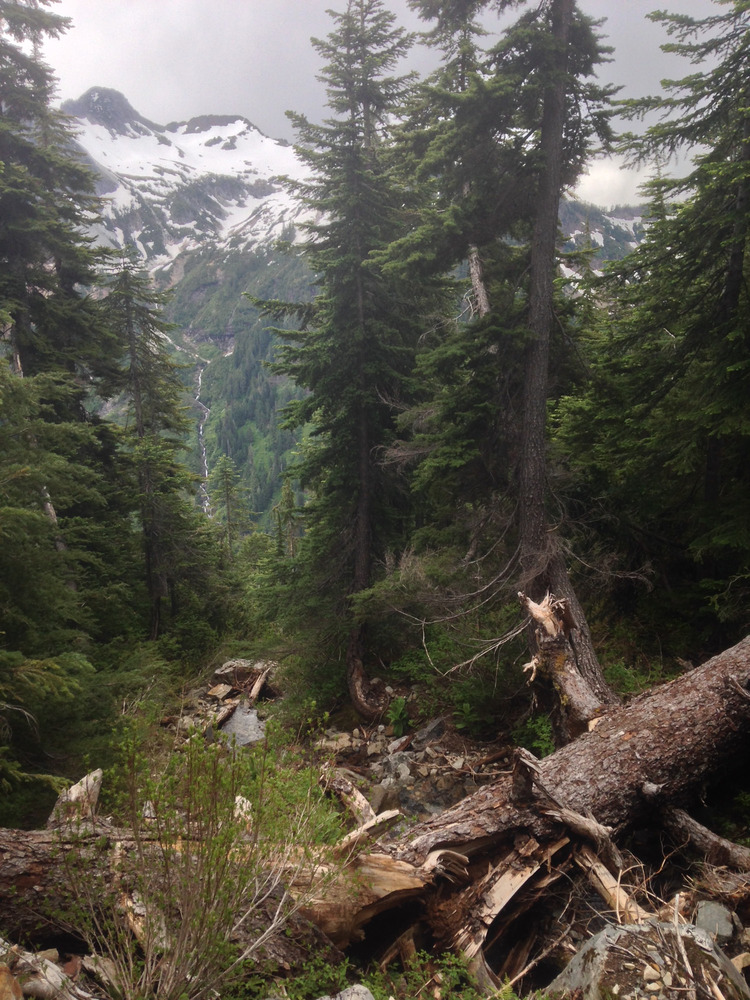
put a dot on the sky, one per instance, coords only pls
(176, 59)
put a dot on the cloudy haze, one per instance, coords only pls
(175, 59)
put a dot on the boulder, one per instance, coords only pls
(715, 919)
(77, 803)
(239, 673)
(662, 960)
(352, 993)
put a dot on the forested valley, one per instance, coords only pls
(505, 502)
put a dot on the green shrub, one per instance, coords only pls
(217, 836)
(397, 716)
(535, 734)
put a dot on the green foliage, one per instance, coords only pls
(203, 914)
(397, 716)
(320, 978)
(424, 973)
(447, 973)
(535, 734)
(659, 442)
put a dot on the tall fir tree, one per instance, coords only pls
(155, 429)
(503, 134)
(663, 437)
(355, 351)
(58, 511)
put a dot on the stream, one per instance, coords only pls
(203, 414)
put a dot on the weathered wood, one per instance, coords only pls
(334, 780)
(716, 850)
(624, 908)
(701, 717)
(555, 660)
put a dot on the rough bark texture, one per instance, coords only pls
(673, 737)
(557, 660)
(533, 520)
(685, 831)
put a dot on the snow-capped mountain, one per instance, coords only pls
(202, 201)
(213, 183)
(171, 188)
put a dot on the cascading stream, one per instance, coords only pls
(203, 414)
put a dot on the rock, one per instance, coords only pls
(384, 796)
(715, 919)
(334, 742)
(101, 968)
(9, 986)
(238, 672)
(49, 955)
(220, 691)
(598, 966)
(77, 803)
(429, 733)
(395, 745)
(244, 726)
(355, 993)
(352, 993)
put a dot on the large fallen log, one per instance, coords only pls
(659, 750)
(468, 865)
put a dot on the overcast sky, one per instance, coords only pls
(175, 59)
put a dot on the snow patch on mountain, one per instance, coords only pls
(173, 188)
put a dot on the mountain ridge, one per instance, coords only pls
(202, 202)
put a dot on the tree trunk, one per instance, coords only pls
(542, 564)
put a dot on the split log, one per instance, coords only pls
(672, 738)
(555, 659)
(666, 743)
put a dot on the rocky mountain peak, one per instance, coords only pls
(111, 109)
(205, 123)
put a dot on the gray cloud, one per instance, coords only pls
(174, 59)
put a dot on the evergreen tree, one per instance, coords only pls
(155, 429)
(664, 437)
(503, 135)
(46, 200)
(229, 505)
(356, 348)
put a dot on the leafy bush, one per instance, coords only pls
(201, 885)
(535, 734)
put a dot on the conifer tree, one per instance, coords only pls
(155, 429)
(664, 435)
(46, 200)
(504, 134)
(355, 351)
(229, 504)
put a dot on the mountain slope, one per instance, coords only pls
(202, 202)
(172, 188)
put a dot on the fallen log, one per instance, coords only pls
(470, 865)
(658, 750)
